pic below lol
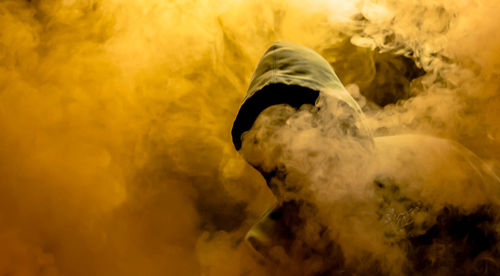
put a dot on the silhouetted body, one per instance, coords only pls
(434, 201)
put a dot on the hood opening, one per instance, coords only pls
(293, 95)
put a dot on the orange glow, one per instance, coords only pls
(115, 118)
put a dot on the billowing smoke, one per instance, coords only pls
(115, 120)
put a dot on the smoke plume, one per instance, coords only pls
(115, 119)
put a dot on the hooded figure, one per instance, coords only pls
(287, 74)
(427, 204)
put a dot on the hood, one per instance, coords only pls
(287, 73)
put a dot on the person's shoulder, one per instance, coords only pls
(436, 169)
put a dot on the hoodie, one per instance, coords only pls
(455, 195)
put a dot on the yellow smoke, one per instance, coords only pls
(115, 118)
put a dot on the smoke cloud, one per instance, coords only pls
(115, 118)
